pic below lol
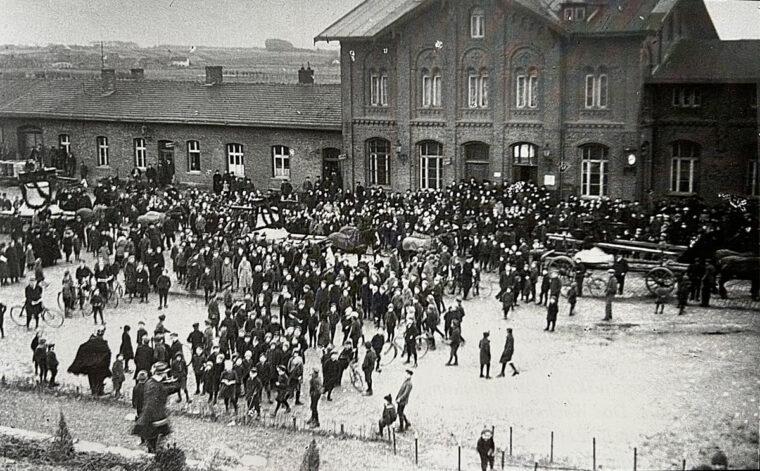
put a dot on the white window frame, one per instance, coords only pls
(426, 159)
(374, 156)
(472, 90)
(533, 89)
(437, 81)
(281, 161)
(238, 152)
(597, 91)
(193, 152)
(64, 142)
(579, 13)
(379, 89)
(477, 24)
(521, 150)
(483, 98)
(102, 147)
(569, 13)
(140, 153)
(681, 164)
(427, 90)
(587, 164)
(521, 91)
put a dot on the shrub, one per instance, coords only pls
(169, 458)
(62, 447)
(311, 458)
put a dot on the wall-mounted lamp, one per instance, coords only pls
(630, 156)
(547, 151)
(399, 152)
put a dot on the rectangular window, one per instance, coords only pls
(533, 91)
(472, 98)
(427, 91)
(64, 143)
(594, 178)
(484, 91)
(281, 162)
(193, 156)
(687, 97)
(375, 90)
(437, 90)
(383, 90)
(102, 144)
(589, 91)
(141, 160)
(521, 91)
(477, 24)
(580, 13)
(752, 178)
(682, 175)
(568, 14)
(602, 91)
(431, 159)
(379, 163)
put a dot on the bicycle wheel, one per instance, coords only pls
(86, 307)
(422, 346)
(388, 353)
(18, 314)
(356, 379)
(59, 299)
(113, 299)
(53, 318)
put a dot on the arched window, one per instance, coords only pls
(281, 161)
(596, 89)
(594, 170)
(378, 162)
(431, 88)
(477, 88)
(431, 163)
(378, 80)
(477, 23)
(524, 153)
(526, 92)
(683, 166)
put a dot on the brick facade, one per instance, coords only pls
(516, 39)
(307, 146)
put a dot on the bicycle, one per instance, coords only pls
(391, 349)
(356, 376)
(81, 301)
(53, 318)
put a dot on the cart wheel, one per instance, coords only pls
(356, 379)
(565, 267)
(596, 286)
(660, 277)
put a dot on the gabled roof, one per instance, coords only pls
(622, 17)
(710, 60)
(235, 104)
(372, 17)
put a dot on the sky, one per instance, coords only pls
(245, 23)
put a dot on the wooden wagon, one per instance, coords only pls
(657, 262)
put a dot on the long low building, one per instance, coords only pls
(266, 132)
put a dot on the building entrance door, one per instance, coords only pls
(477, 162)
(332, 171)
(525, 173)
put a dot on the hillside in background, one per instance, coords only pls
(279, 62)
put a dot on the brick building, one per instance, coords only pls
(593, 97)
(262, 131)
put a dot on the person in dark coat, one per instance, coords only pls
(143, 356)
(551, 314)
(153, 422)
(485, 355)
(486, 449)
(93, 359)
(138, 391)
(506, 355)
(330, 372)
(126, 348)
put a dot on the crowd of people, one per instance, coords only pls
(247, 349)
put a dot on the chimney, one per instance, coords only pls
(137, 74)
(306, 76)
(108, 81)
(213, 75)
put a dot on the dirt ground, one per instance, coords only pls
(673, 387)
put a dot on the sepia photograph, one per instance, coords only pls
(333, 235)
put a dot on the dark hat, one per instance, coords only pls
(388, 398)
(162, 317)
(410, 372)
(195, 324)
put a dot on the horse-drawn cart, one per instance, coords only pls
(657, 262)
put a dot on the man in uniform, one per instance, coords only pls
(153, 422)
(402, 399)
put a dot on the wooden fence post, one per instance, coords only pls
(295, 427)
(394, 441)
(635, 458)
(510, 440)
(551, 448)
(593, 453)
(535, 466)
(502, 459)
(342, 429)
(459, 458)
(683, 464)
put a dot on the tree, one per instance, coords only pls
(311, 458)
(62, 447)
